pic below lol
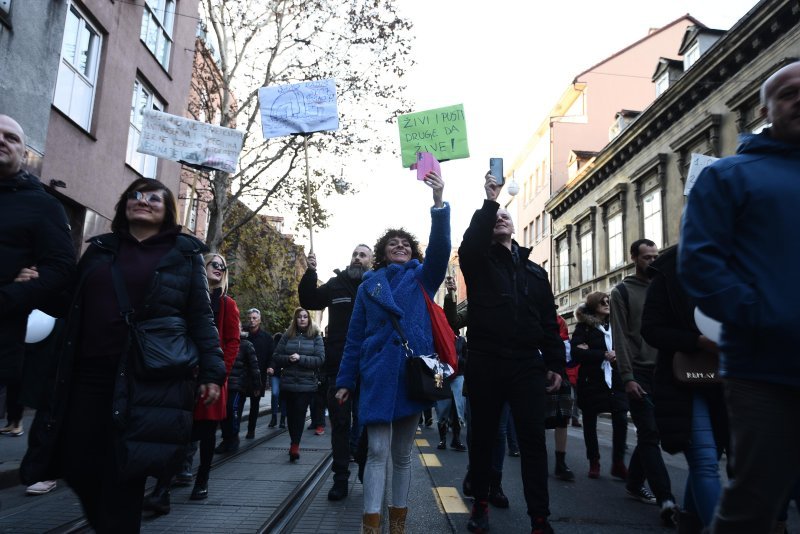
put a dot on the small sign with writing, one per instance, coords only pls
(188, 141)
(441, 131)
(698, 163)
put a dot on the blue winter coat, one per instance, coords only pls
(738, 257)
(373, 352)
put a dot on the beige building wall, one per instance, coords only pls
(703, 112)
(580, 120)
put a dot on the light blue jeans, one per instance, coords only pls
(275, 385)
(444, 407)
(397, 436)
(703, 486)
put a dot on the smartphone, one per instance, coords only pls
(496, 170)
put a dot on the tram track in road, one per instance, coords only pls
(285, 515)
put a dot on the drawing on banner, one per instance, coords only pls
(298, 108)
(441, 131)
(194, 143)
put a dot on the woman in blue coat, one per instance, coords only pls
(374, 355)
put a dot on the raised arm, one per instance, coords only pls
(311, 296)
(437, 255)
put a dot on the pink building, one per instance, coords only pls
(596, 105)
(116, 60)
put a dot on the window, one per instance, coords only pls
(616, 252)
(587, 257)
(545, 231)
(652, 217)
(691, 56)
(525, 241)
(537, 226)
(662, 83)
(563, 265)
(143, 98)
(157, 22)
(77, 70)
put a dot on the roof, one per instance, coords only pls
(665, 63)
(691, 34)
(646, 37)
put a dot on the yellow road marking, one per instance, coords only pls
(449, 500)
(430, 460)
(422, 443)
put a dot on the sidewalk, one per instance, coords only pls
(12, 449)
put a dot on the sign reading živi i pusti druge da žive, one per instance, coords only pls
(441, 131)
(188, 141)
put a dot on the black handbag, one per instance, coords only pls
(426, 376)
(161, 346)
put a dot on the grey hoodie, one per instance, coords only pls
(626, 327)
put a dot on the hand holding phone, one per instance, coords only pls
(496, 170)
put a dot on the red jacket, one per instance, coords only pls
(228, 327)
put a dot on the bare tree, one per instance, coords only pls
(363, 44)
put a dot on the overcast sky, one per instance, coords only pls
(507, 61)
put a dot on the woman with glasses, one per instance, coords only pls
(98, 405)
(300, 354)
(600, 388)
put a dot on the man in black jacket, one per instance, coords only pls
(515, 354)
(34, 235)
(262, 341)
(338, 295)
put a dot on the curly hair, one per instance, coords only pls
(379, 250)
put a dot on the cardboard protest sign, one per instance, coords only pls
(426, 163)
(697, 164)
(298, 108)
(189, 141)
(441, 131)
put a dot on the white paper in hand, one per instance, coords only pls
(707, 326)
(40, 325)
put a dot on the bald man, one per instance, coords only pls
(738, 258)
(34, 233)
(514, 352)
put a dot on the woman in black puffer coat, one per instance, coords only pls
(103, 430)
(300, 354)
(243, 382)
(690, 420)
(599, 388)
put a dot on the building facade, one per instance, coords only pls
(577, 127)
(110, 62)
(634, 186)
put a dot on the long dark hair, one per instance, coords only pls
(380, 247)
(120, 221)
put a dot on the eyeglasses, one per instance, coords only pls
(149, 198)
(604, 302)
(217, 265)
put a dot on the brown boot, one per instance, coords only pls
(397, 520)
(371, 524)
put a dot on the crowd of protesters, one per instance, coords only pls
(518, 369)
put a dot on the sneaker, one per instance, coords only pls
(479, 518)
(250, 435)
(497, 497)
(428, 423)
(338, 491)
(458, 446)
(12, 429)
(272, 423)
(40, 488)
(541, 526)
(642, 495)
(320, 431)
(669, 513)
(312, 426)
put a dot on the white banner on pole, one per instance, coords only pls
(189, 141)
(298, 108)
